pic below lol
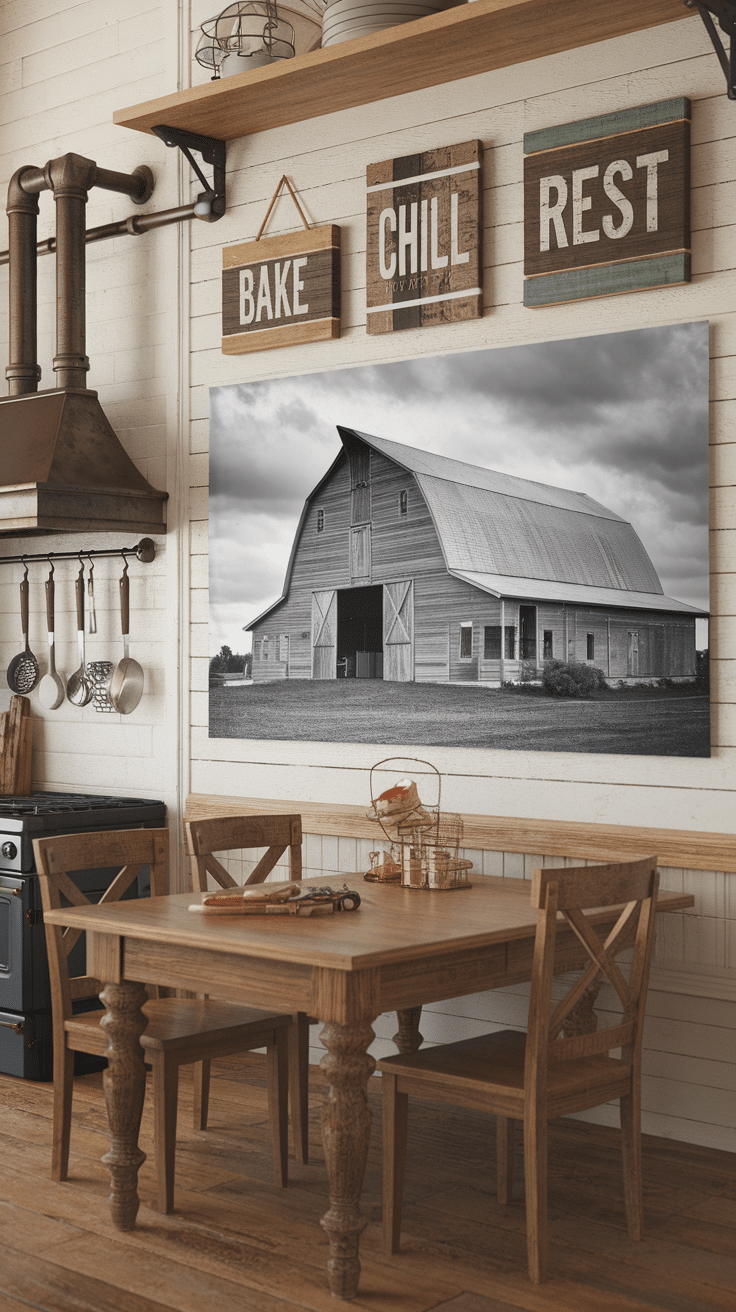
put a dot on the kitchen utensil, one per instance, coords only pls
(126, 684)
(99, 674)
(16, 741)
(78, 688)
(23, 671)
(51, 688)
(91, 599)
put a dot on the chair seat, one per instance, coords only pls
(491, 1067)
(175, 1023)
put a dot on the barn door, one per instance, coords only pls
(398, 631)
(632, 655)
(324, 635)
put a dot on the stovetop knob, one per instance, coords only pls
(9, 851)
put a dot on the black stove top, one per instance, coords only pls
(43, 815)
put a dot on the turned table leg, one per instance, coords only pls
(407, 1038)
(346, 1128)
(125, 1084)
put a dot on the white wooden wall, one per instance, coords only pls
(153, 339)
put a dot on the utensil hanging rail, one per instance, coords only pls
(144, 550)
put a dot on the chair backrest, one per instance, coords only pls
(561, 897)
(57, 859)
(237, 832)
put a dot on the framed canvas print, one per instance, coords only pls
(505, 548)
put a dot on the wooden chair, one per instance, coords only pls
(239, 833)
(553, 1069)
(180, 1031)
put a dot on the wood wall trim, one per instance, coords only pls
(682, 849)
(471, 39)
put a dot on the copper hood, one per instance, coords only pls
(62, 467)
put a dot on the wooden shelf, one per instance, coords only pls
(461, 42)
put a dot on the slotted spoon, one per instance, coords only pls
(23, 671)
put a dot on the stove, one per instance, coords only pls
(25, 997)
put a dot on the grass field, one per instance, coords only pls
(636, 721)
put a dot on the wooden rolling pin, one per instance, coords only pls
(16, 745)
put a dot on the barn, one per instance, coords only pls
(410, 566)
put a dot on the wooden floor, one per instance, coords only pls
(236, 1242)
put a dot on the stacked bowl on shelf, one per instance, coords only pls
(345, 19)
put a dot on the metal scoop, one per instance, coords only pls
(78, 688)
(126, 684)
(23, 671)
(51, 688)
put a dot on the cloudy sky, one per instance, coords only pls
(623, 417)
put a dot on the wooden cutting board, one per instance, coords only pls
(16, 744)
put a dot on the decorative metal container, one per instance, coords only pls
(424, 843)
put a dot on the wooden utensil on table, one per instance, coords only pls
(16, 742)
(78, 688)
(51, 688)
(23, 671)
(126, 684)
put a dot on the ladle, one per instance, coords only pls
(126, 684)
(51, 688)
(78, 688)
(23, 671)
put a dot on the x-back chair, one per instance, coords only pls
(180, 1031)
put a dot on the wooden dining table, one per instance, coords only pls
(401, 949)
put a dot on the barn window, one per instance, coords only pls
(283, 646)
(403, 502)
(320, 521)
(492, 642)
(547, 645)
(265, 645)
(466, 642)
(590, 646)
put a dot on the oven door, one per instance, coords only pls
(24, 982)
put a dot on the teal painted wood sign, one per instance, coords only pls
(607, 204)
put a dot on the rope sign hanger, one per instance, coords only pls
(283, 182)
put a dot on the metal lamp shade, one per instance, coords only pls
(245, 35)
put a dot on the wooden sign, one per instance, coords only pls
(607, 204)
(281, 291)
(423, 253)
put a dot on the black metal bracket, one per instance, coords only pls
(725, 12)
(212, 151)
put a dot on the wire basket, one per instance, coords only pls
(424, 843)
(99, 673)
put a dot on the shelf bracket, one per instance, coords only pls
(725, 12)
(212, 202)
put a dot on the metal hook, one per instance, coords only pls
(25, 567)
(51, 563)
(91, 597)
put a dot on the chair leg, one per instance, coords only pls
(201, 1094)
(62, 1124)
(535, 1173)
(504, 1159)
(165, 1097)
(299, 1085)
(631, 1148)
(395, 1124)
(278, 1104)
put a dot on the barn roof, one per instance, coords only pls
(519, 538)
(513, 537)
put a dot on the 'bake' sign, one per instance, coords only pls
(281, 291)
(607, 204)
(423, 260)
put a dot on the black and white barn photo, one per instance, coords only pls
(504, 548)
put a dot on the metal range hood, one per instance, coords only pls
(62, 467)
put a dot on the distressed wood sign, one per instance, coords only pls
(423, 254)
(281, 291)
(607, 204)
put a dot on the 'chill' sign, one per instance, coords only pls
(423, 239)
(281, 291)
(607, 204)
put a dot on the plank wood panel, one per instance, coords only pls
(682, 849)
(459, 43)
(246, 1241)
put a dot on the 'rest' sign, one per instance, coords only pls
(423, 239)
(281, 291)
(607, 204)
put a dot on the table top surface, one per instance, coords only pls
(392, 923)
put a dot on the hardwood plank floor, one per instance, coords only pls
(235, 1242)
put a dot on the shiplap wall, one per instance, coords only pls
(153, 340)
